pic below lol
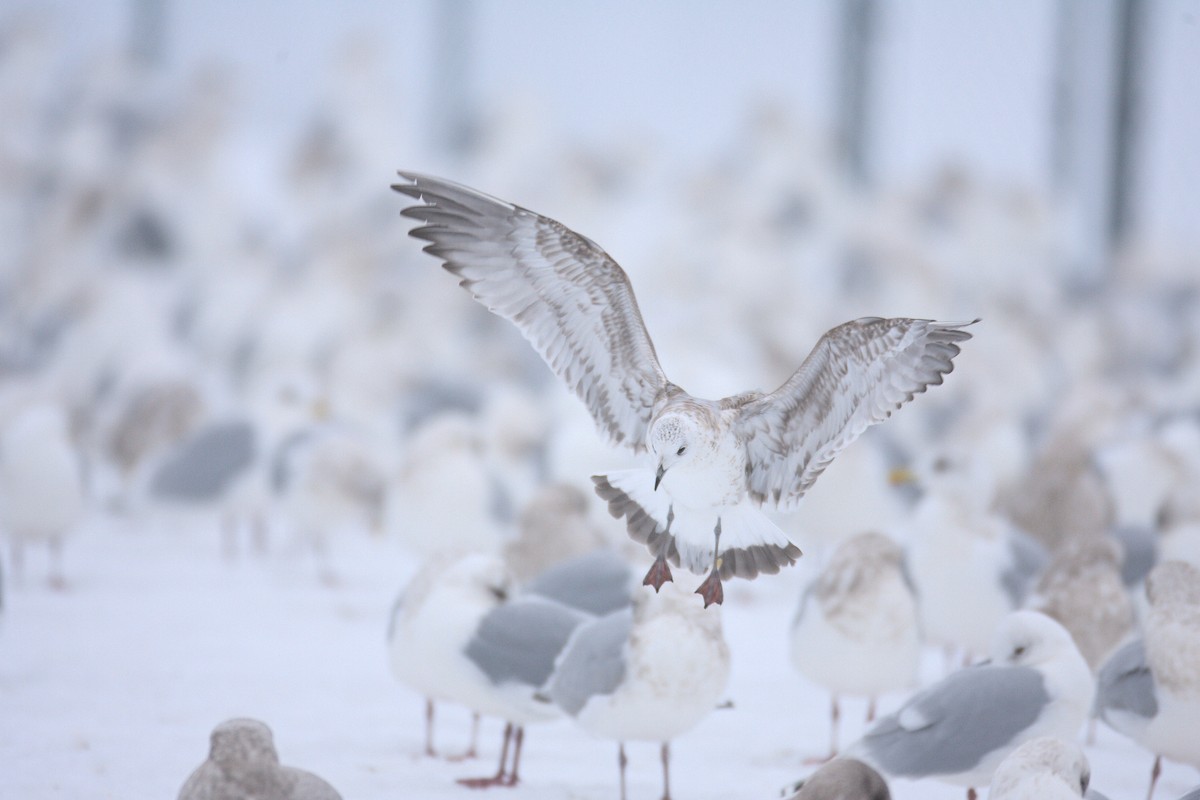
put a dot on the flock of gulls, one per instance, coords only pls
(1035, 520)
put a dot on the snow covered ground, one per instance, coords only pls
(110, 688)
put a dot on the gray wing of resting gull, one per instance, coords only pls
(598, 582)
(1194, 794)
(1125, 683)
(205, 466)
(593, 662)
(1140, 544)
(1029, 558)
(519, 641)
(951, 726)
(842, 779)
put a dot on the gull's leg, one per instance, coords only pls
(621, 762)
(501, 776)
(666, 765)
(56, 579)
(518, 738)
(835, 716)
(1154, 773)
(871, 709)
(660, 572)
(711, 590)
(972, 794)
(429, 751)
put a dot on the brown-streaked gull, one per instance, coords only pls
(960, 728)
(242, 763)
(716, 462)
(1149, 689)
(856, 631)
(841, 779)
(1045, 768)
(1083, 590)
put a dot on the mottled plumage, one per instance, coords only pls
(577, 308)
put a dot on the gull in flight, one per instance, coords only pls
(716, 462)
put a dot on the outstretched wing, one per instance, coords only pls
(857, 375)
(565, 294)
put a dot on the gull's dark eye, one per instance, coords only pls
(681, 450)
(1020, 651)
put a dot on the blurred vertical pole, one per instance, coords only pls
(1099, 72)
(148, 33)
(452, 112)
(855, 60)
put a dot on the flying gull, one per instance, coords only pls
(716, 461)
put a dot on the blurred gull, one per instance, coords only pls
(1044, 768)
(646, 673)
(971, 567)
(242, 764)
(554, 526)
(961, 728)
(447, 496)
(1083, 590)
(513, 652)
(1149, 689)
(716, 461)
(598, 582)
(841, 779)
(214, 470)
(41, 483)
(433, 620)
(856, 629)
(330, 481)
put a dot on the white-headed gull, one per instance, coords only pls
(961, 728)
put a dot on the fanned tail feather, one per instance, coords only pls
(751, 544)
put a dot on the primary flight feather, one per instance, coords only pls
(716, 461)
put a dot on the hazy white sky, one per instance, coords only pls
(958, 81)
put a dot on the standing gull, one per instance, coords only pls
(856, 629)
(715, 461)
(645, 673)
(1149, 689)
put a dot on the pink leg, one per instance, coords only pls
(500, 778)
(666, 765)
(1155, 771)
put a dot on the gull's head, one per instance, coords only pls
(673, 440)
(1030, 639)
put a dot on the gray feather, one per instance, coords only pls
(1029, 558)
(205, 466)
(969, 714)
(519, 641)
(593, 662)
(597, 583)
(1125, 683)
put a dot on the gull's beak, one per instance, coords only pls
(658, 476)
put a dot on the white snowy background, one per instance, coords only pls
(693, 141)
